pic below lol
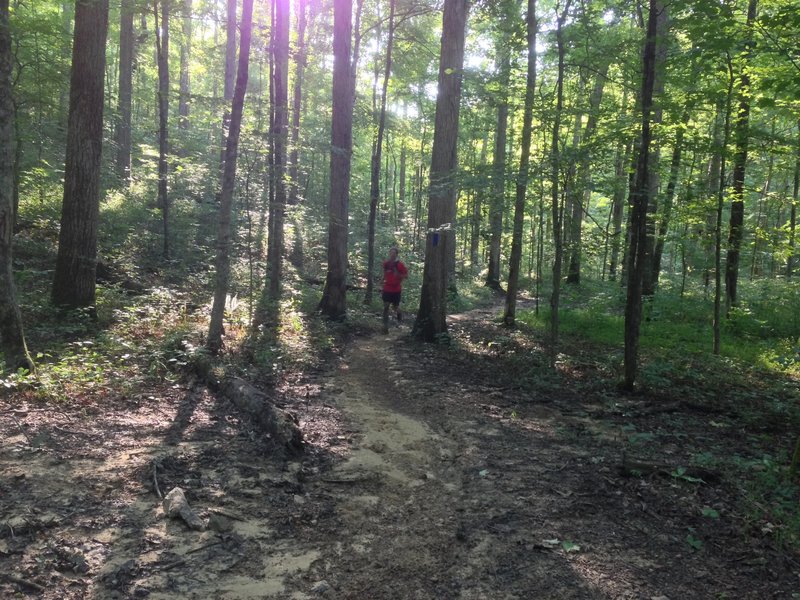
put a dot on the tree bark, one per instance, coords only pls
(618, 205)
(524, 164)
(498, 188)
(12, 336)
(374, 186)
(742, 135)
(280, 130)
(790, 261)
(222, 263)
(717, 325)
(162, 54)
(125, 92)
(303, 20)
(334, 296)
(642, 189)
(230, 75)
(76, 264)
(583, 192)
(669, 197)
(186, 50)
(431, 321)
(557, 210)
(653, 171)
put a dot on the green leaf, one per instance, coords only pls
(570, 546)
(710, 512)
(694, 543)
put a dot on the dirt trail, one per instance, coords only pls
(424, 478)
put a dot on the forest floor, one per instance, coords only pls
(428, 474)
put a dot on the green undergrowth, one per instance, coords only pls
(753, 385)
(676, 333)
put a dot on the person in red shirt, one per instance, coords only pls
(394, 272)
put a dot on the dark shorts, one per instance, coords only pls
(391, 297)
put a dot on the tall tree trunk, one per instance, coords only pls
(669, 196)
(401, 193)
(280, 132)
(162, 53)
(584, 189)
(712, 188)
(76, 264)
(125, 92)
(186, 50)
(618, 203)
(642, 189)
(477, 208)
(717, 325)
(431, 320)
(230, 75)
(557, 209)
(300, 58)
(12, 336)
(374, 185)
(222, 263)
(572, 191)
(498, 190)
(742, 135)
(762, 210)
(334, 298)
(790, 262)
(649, 277)
(524, 164)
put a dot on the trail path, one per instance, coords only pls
(426, 477)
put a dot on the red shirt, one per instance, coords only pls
(393, 275)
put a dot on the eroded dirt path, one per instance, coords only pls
(424, 478)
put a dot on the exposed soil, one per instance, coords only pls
(426, 476)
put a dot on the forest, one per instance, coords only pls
(594, 391)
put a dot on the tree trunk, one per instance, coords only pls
(477, 208)
(125, 92)
(572, 193)
(186, 50)
(760, 233)
(334, 300)
(297, 98)
(162, 53)
(742, 134)
(790, 262)
(524, 164)
(642, 189)
(712, 188)
(717, 326)
(618, 202)
(374, 186)
(76, 264)
(280, 130)
(583, 187)
(498, 190)
(401, 193)
(12, 337)
(669, 196)
(557, 209)
(649, 277)
(230, 75)
(431, 321)
(216, 326)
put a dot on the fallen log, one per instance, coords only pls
(278, 424)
